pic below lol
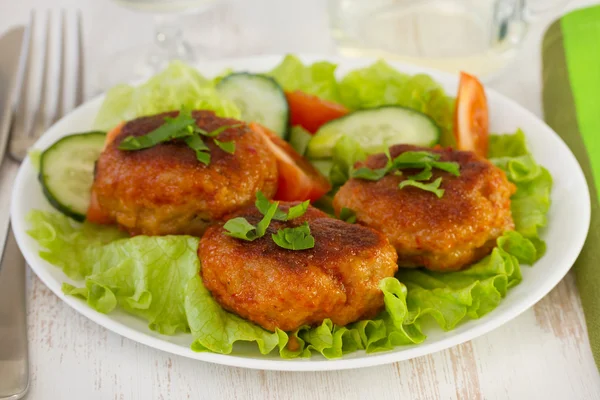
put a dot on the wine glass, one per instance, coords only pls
(141, 62)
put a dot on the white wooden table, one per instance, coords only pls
(543, 354)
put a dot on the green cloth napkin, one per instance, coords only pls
(571, 97)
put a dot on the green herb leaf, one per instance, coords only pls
(423, 175)
(173, 128)
(369, 174)
(183, 126)
(262, 226)
(263, 204)
(348, 215)
(448, 166)
(374, 174)
(412, 160)
(203, 157)
(297, 210)
(298, 238)
(433, 187)
(227, 147)
(240, 228)
(217, 131)
(202, 151)
(196, 143)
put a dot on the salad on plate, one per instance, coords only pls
(292, 209)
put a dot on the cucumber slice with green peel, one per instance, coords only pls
(323, 166)
(376, 129)
(299, 138)
(259, 98)
(67, 172)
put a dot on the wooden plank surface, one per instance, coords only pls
(543, 354)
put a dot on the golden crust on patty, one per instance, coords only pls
(285, 289)
(166, 190)
(441, 234)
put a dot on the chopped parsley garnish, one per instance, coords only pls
(263, 204)
(183, 126)
(227, 147)
(423, 160)
(433, 187)
(298, 238)
(173, 128)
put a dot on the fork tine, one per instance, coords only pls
(43, 110)
(60, 96)
(19, 124)
(79, 83)
(39, 118)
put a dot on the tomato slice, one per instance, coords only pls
(471, 120)
(310, 111)
(298, 180)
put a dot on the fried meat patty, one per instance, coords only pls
(166, 190)
(285, 289)
(441, 234)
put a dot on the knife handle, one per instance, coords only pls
(14, 369)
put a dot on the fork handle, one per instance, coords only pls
(14, 370)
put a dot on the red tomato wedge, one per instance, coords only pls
(298, 179)
(310, 111)
(471, 120)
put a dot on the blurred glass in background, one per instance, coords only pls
(477, 36)
(168, 43)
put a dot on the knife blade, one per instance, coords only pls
(14, 362)
(11, 45)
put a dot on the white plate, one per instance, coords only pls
(568, 225)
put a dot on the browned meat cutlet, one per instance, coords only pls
(285, 289)
(442, 234)
(166, 190)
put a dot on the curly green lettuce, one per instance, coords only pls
(178, 86)
(317, 79)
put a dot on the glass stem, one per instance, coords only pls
(169, 44)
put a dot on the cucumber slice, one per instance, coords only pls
(67, 172)
(323, 166)
(299, 138)
(259, 98)
(376, 129)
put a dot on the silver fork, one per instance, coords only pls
(30, 121)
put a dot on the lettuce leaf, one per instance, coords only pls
(531, 202)
(380, 84)
(346, 153)
(178, 86)
(317, 79)
(158, 279)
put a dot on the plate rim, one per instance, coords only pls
(37, 265)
